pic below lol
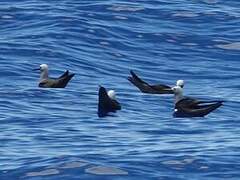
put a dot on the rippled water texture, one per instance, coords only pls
(56, 134)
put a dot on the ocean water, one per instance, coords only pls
(56, 134)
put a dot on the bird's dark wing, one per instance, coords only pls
(187, 102)
(56, 82)
(190, 107)
(116, 105)
(162, 89)
(147, 88)
(64, 74)
(134, 76)
(48, 83)
(62, 82)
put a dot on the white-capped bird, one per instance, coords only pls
(47, 82)
(107, 102)
(190, 107)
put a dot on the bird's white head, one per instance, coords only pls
(43, 67)
(112, 94)
(178, 90)
(44, 71)
(180, 83)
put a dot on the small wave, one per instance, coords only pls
(230, 46)
(101, 170)
(125, 8)
(189, 44)
(121, 17)
(74, 165)
(185, 14)
(7, 17)
(179, 164)
(203, 167)
(210, 1)
(43, 173)
(105, 43)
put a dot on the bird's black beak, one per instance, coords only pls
(37, 69)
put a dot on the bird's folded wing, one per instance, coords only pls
(64, 74)
(147, 88)
(196, 107)
(48, 83)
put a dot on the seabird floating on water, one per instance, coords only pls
(190, 107)
(47, 82)
(184, 106)
(107, 102)
(146, 88)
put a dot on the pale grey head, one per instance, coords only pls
(44, 71)
(180, 83)
(112, 94)
(43, 67)
(178, 90)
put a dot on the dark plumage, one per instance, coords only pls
(189, 107)
(146, 88)
(106, 104)
(60, 82)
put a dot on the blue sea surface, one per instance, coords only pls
(56, 134)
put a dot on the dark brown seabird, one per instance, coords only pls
(147, 88)
(190, 107)
(107, 102)
(46, 82)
